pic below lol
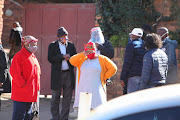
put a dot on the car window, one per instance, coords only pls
(160, 114)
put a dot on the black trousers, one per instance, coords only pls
(66, 101)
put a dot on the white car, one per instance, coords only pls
(160, 103)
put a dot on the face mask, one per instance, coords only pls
(63, 40)
(0, 45)
(91, 56)
(163, 35)
(32, 49)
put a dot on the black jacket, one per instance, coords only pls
(106, 49)
(55, 58)
(133, 60)
(4, 71)
(16, 36)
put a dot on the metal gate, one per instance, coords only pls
(43, 20)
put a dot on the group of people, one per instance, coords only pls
(93, 67)
(150, 61)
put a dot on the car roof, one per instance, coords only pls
(144, 100)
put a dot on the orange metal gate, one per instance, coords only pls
(43, 20)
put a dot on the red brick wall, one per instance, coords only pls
(17, 15)
(158, 4)
(1, 19)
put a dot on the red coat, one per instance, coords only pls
(25, 72)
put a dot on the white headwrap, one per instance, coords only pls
(97, 36)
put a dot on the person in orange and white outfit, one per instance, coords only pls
(94, 69)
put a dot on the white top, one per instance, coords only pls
(90, 82)
(63, 51)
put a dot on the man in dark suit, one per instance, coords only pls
(62, 74)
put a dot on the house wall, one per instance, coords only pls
(1, 19)
(17, 9)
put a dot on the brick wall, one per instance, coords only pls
(17, 15)
(1, 19)
(158, 4)
(115, 89)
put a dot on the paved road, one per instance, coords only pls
(7, 107)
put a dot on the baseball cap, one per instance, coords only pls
(137, 32)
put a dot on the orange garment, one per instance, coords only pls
(108, 68)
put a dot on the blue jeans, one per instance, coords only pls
(21, 110)
(133, 84)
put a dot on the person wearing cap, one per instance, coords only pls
(62, 74)
(103, 46)
(94, 69)
(155, 63)
(25, 72)
(15, 39)
(133, 61)
(169, 47)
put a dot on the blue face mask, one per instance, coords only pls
(0, 45)
(32, 49)
(61, 39)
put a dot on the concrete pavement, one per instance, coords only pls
(7, 107)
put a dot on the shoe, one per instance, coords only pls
(73, 115)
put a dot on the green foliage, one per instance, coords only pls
(175, 35)
(119, 40)
(119, 16)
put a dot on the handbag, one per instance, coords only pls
(35, 114)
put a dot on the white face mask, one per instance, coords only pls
(32, 49)
(163, 35)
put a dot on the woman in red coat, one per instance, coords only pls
(25, 72)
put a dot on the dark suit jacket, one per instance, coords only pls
(4, 72)
(55, 58)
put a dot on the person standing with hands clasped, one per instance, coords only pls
(62, 74)
(94, 70)
(25, 72)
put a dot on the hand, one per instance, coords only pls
(85, 53)
(97, 44)
(1, 84)
(122, 83)
(67, 57)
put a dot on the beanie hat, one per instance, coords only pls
(62, 31)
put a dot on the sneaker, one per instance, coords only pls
(73, 115)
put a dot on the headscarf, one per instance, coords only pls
(28, 39)
(89, 46)
(97, 36)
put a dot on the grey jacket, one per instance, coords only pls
(154, 71)
(169, 47)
